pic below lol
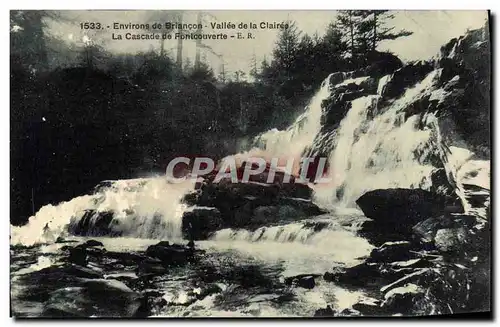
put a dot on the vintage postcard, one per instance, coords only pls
(307, 164)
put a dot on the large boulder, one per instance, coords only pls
(403, 299)
(399, 208)
(451, 239)
(199, 223)
(381, 63)
(251, 204)
(171, 255)
(94, 223)
(391, 251)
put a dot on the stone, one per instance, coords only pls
(451, 239)
(336, 78)
(304, 281)
(92, 299)
(391, 251)
(402, 299)
(405, 77)
(78, 255)
(369, 307)
(175, 255)
(92, 243)
(382, 63)
(151, 267)
(363, 275)
(200, 223)
(426, 230)
(416, 277)
(325, 312)
(399, 209)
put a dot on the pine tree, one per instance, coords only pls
(254, 72)
(239, 76)
(375, 28)
(286, 47)
(188, 66)
(348, 22)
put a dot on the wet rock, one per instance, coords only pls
(391, 251)
(468, 221)
(451, 239)
(381, 63)
(92, 243)
(126, 258)
(304, 281)
(296, 190)
(200, 223)
(95, 298)
(426, 230)
(336, 78)
(170, 254)
(399, 209)
(370, 85)
(151, 267)
(83, 272)
(363, 275)
(369, 307)
(349, 312)
(412, 264)
(349, 96)
(207, 290)
(325, 312)
(61, 239)
(94, 223)
(403, 299)
(418, 277)
(405, 77)
(78, 255)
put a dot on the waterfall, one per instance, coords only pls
(144, 208)
(322, 238)
(384, 150)
(292, 141)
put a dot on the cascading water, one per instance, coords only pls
(385, 151)
(144, 208)
(291, 142)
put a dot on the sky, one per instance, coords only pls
(431, 29)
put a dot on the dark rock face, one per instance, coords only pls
(151, 266)
(304, 281)
(466, 63)
(94, 224)
(199, 223)
(336, 78)
(406, 77)
(326, 312)
(391, 251)
(92, 243)
(364, 274)
(400, 208)
(245, 205)
(171, 255)
(451, 239)
(403, 299)
(382, 63)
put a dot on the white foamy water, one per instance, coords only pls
(301, 247)
(384, 150)
(291, 143)
(145, 208)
